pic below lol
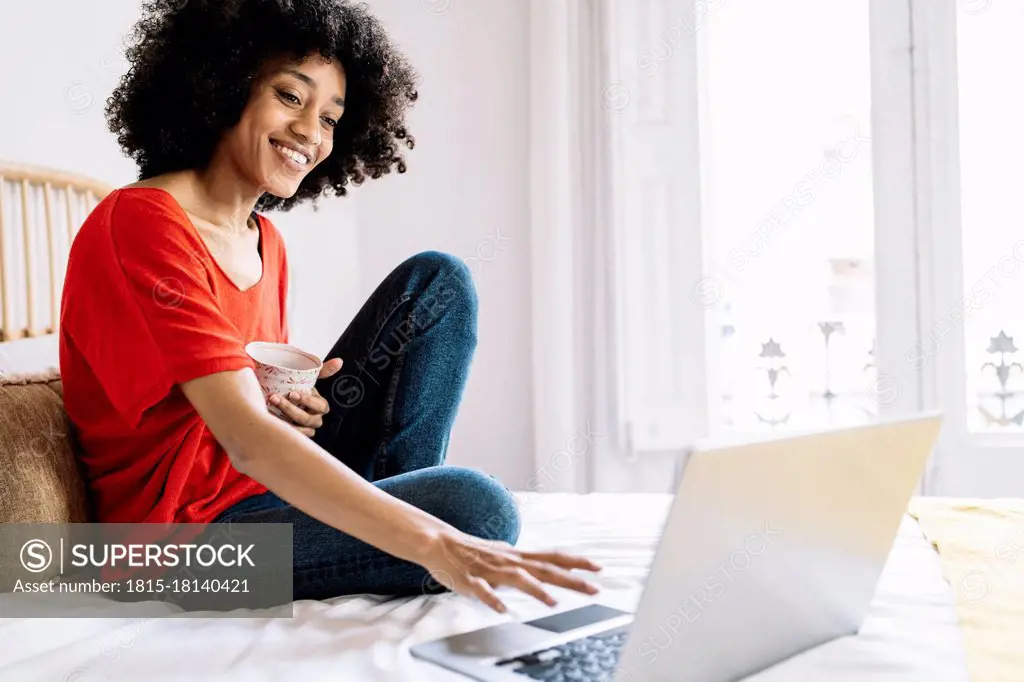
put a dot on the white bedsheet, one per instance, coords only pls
(911, 633)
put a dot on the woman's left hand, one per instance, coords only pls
(305, 411)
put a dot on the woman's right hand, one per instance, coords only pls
(474, 567)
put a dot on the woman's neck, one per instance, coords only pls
(219, 196)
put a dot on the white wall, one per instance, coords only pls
(466, 185)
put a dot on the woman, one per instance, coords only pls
(235, 106)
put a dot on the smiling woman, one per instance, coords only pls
(197, 67)
(236, 106)
(293, 110)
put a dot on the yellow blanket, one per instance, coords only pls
(981, 549)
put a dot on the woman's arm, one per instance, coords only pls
(304, 475)
(264, 448)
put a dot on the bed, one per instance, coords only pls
(911, 633)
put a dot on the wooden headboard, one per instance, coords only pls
(40, 213)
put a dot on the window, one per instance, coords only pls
(991, 145)
(788, 214)
(804, 216)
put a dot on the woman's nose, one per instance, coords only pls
(307, 130)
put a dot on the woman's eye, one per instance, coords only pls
(329, 121)
(287, 96)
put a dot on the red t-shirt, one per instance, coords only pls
(145, 308)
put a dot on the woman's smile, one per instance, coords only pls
(296, 159)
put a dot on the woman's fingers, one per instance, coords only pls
(479, 588)
(527, 576)
(562, 560)
(553, 575)
(296, 414)
(330, 368)
(520, 578)
(482, 566)
(311, 402)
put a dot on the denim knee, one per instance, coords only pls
(481, 506)
(438, 261)
(443, 283)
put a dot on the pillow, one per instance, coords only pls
(39, 477)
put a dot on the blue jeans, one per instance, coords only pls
(407, 355)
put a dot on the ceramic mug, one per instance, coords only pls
(282, 368)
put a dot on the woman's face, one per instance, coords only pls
(287, 127)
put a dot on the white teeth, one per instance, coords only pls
(295, 156)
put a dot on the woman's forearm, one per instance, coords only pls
(300, 472)
(303, 474)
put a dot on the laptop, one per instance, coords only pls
(769, 548)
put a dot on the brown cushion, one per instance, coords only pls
(39, 477)
(40, 482)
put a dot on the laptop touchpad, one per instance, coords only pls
(576, 618)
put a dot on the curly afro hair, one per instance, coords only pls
(193, 63)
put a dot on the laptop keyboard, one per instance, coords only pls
(591, 659)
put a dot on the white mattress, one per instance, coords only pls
(911, 633)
